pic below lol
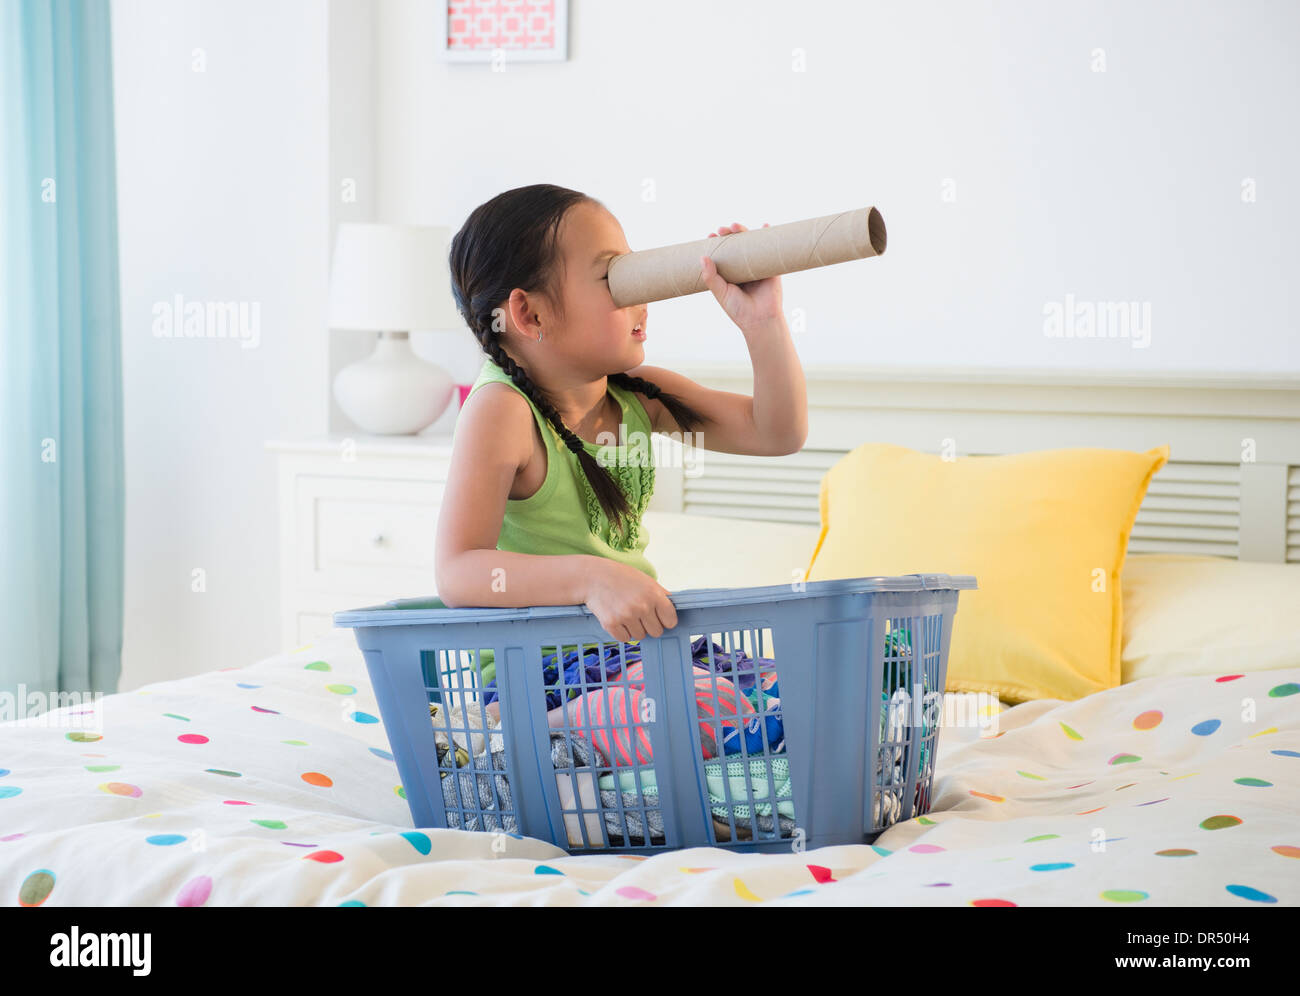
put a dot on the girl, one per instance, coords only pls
(536, 510)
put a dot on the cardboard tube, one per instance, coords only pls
(674, 271)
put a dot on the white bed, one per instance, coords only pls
(292, 800)
(271, 783)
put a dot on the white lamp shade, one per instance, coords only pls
(392, 278)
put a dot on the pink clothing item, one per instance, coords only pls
(624, 707)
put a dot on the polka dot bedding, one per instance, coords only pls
(272, 784)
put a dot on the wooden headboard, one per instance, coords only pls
(1231, 487)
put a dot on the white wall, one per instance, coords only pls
(1112, 186)
(1115, 186)
(222, 196)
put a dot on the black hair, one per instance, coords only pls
(512, 241)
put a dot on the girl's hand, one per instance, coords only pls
(629, 603)
(749, 305)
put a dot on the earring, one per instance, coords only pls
(539, 337)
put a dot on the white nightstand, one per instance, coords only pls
(358, 519)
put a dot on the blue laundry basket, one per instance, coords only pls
(634, 763)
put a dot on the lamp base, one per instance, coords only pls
(393, 392)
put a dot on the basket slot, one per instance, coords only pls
(596, 692)
(471, 757)
(731, 666)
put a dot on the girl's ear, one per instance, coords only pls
(521, 317)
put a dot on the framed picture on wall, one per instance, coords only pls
(506, 30)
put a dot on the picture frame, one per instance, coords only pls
(507, 30)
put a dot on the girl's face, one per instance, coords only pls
(597, 335)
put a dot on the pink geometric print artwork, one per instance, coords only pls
(507, 24)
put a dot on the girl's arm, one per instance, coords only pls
(494, 438)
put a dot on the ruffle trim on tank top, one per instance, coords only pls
(636, 481)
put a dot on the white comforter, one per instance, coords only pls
(272, 785)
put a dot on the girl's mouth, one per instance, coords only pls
(638, 333)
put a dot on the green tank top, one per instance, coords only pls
(564, 516)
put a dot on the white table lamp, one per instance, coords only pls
(392, 279)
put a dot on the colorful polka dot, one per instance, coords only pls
(742, 890)
(1069, 732)
(36, 888)
(1205, 727)
(1282, 691)
(399, 791)
(1176, 852)
(349, 690)
(986, 795)
(1154, 801)
(633, 892)
(223, 771)
(1287, 850)
(235, 802)
(1125, 895)
(1287, 753)
(316, 778)
(926, 848)
(173, 715)
(9, 791)
(273, 712)
(1148, 720)
(317, 666)
(1042, 836)
(165, 839)
(295, 743)
(324, 857)
(1230, 677)
(1026, 774)
(192, 738)
(363, 717)
(271, 824)
(992, 902)
(1052, 866)
(84, 738)
(821, 874)
(101, 768)
(1219, 822)
(1246, 892)
(1253, 782)
(121, 788)
(245, 684)
(420, 841)
(546, 870)
(1124, 759)
(387, 756)
(195, 892)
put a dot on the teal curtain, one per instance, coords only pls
(61, 467)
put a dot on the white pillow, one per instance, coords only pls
(713, 551)
(1208, 615)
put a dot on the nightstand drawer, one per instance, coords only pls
(370, 534)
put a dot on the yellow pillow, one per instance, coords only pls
(1044, 534)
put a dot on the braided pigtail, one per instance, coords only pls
(608, 493)
(685, 416)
